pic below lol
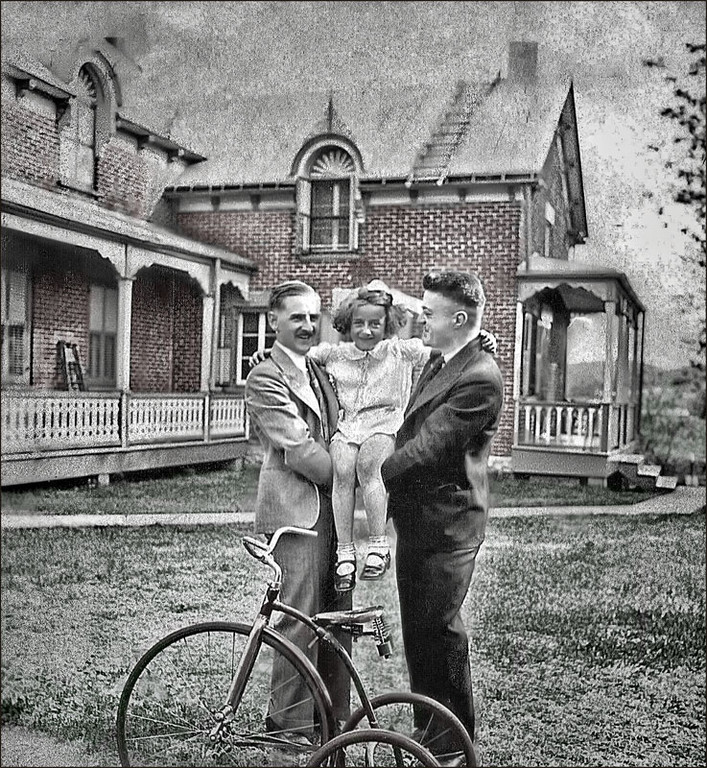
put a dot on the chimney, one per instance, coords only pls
(522, 61)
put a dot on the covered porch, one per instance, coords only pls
(578, 369)
(110, 343)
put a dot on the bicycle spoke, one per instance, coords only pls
(174, 700)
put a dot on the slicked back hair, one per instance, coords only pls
(462, 287)
(289, 288)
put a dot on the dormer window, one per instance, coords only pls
(88, 125)
(328, 200)
(87, 91)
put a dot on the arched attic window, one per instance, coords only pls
(326, 201)
(88, 126)
(87, 92)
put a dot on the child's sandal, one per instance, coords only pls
(377, 563)
(345, 577)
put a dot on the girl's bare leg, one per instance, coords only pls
(371, 456)
(343, 499)
(343, 459)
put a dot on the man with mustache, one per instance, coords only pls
(293, 410)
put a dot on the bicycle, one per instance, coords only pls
(198, 696)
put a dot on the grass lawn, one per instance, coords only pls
(230, 488)
(588, 633)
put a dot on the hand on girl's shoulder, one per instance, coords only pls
(488, 342)
(258, 356)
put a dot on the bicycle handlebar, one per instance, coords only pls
(262, 550)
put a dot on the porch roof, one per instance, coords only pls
(538, 267)
(86, 217)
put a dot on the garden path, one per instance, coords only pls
(683, 500)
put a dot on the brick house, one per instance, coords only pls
(89, 278)
(386, 184)
(337, 190)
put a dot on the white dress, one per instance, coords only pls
(373, 387)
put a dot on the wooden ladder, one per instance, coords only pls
(71, 366)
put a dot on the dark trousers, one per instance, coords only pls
(308, 566)
(432, 587)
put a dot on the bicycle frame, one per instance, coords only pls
(272, 604)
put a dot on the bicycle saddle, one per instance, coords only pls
(356, 616)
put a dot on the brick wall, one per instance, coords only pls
(33, 150)
(398, 245)
(165, 354)
(121, 179)
(186, 341)
(30, 143)
(60, 302)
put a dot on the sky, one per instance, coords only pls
(181, 48)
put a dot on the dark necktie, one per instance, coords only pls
(317, 388)
(434, 366)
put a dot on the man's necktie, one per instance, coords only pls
(317, 388)
(434, 366)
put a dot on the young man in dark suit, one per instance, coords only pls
(438, 485)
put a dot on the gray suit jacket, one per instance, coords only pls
(296, 473)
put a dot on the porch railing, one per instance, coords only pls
(57, 421)
(592, 427)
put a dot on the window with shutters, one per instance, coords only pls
(15, 326)
(326, 202)
(103, 329)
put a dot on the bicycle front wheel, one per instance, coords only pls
(372, 748)
(171, 709)
(425, 720)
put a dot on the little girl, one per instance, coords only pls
(372, 373)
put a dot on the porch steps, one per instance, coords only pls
(666, 482)
(636, 473)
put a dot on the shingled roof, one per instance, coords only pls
(421, 132)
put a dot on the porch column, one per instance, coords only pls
(609, 362)
(517, 365)
(623, 372)
(207, 332)
(125, 311)
(640, 339)
(213, 373)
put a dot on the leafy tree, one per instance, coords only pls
(687, 111)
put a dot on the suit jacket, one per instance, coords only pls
(437, 475)
(286, 417)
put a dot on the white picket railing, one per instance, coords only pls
(42, 421)
(571, 425)
(592, 427)
(56, 421)
(157, 419)
(228, 417)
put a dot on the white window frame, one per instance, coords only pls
(336, 214)
(99, 379)
(263, 331)
(335, 164)
(8, 276)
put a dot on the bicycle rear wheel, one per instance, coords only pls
(425, 720)
(372, 748)
(172, 703)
